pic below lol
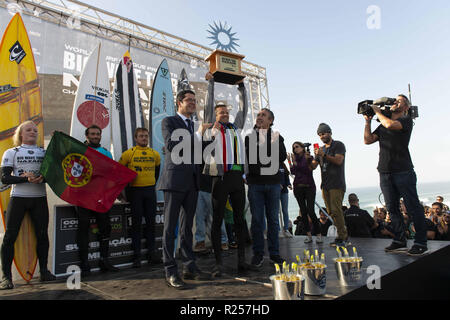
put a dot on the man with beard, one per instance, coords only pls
(93, 137)
(331, 158)
(397, 176)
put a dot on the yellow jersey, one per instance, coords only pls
(143, 161)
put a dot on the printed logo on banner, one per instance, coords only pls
(120, 243)
(17, 53)
(130, 221)
(116, 224)
(94, 98)
(69, 224)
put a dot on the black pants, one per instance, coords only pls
(179, 206)
(230, 185)
(37, 208)
(306, 198)
(104, 232)
(143, 204)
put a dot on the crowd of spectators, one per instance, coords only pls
(361, 224)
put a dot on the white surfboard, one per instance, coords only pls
(126, 111)
(92, 103)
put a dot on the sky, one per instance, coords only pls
(323, 57)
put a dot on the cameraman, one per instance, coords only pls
(397, 176)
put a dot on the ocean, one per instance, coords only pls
(369, 197)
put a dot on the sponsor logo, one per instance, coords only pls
(90, 110)
(164, 72)
(77, 170)
(16, 53)
(7, 88)
(69, 224)
(94, 98)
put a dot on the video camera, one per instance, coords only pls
(385, 103)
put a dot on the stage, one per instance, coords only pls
(403, 277)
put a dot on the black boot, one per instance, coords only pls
(242, 266)
(46, 276)
(217, 271)
(104, 263)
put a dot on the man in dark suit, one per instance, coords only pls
(180, 181)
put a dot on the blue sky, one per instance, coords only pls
(322, 59)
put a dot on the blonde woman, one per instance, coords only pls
(20, 169)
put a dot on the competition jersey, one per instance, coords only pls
(103, 151)
(143, 161)
(25, 159)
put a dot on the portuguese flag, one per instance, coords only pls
(82, 176)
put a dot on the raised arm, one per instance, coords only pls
(369, 137)
(241, 115)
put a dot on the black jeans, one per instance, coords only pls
(306, 198)
(37, 208)
(143, 204)
(230, 185)
(104, 228)
(403, 185)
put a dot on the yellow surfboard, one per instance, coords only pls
(20, 100)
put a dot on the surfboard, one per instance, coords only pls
(183, 84)
(92, 103)
(126, 111)
(20, 100)
(161, 106)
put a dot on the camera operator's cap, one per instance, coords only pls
(352, 197)
(323, 128)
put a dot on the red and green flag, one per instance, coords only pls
(82, 176)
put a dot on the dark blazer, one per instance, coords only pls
(174, 177)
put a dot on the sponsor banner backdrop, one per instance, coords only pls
(61, 51)
(65, 237)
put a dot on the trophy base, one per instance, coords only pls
(227, 78)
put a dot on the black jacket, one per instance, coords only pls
(267, 173)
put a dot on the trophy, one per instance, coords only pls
(225, 66)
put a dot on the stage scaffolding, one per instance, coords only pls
(101, 23)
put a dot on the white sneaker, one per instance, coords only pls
(287, 234)
(319, 238)
(308, 239)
